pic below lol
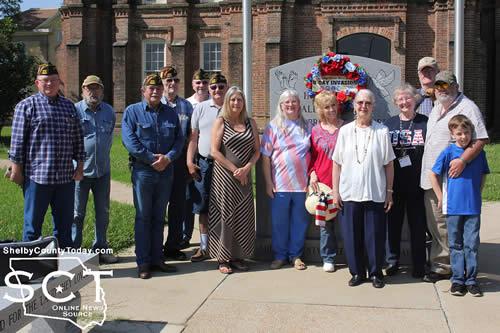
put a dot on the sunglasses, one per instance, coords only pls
(220, 86)
(172, 80)
(201, 82)
(441, 85)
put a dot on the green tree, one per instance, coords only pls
(16, 68)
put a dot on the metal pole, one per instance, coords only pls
(247, 53)
(459, 42)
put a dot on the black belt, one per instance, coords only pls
(208, 159)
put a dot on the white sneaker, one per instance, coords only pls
(328, 267)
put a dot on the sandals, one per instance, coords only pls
(239, 264)
(224, 268)
(299, 264)
(277, 264)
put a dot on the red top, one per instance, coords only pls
(322, 146)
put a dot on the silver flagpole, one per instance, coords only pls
(459, 42)
(247, 53)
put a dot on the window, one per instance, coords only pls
(366, 45)
(153, 56)
(210, 56)
(152, 2)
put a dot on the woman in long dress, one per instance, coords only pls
(231, 219)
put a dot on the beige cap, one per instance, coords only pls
(427, 62)
(92, 79)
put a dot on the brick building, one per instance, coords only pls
(121, 40)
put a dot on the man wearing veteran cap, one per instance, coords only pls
(427, 70)
(46, 138)
(450, 102)
(98, 121)
(199, 160)
(200, 87)
(152, 135)
(180, 216)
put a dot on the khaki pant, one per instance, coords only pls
(436, 222)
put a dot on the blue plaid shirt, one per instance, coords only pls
(46, 138)
(184, 111)
(426, 104)
(146, 131)
(98, 129)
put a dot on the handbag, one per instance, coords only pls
(46, 247)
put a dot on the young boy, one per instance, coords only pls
(460, 199)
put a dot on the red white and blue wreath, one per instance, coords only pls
(331, 64)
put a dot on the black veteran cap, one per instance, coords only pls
(168, 72)
(200, 74)
(46, 69)
(152, 80)
(217, 78)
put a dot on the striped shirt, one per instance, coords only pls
(426, 105)
(289, 154)
(46, 138)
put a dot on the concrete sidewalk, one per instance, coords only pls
(200, 299)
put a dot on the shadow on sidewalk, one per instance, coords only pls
(489, 267)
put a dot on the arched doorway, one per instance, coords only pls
(366, 45)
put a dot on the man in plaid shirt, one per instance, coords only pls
(46, 138)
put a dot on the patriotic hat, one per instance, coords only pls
(321, 202)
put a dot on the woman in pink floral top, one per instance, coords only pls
(323, 140)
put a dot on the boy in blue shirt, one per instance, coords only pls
(460, 199)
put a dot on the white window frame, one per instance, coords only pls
(202, 55)
(153, 2)
(145, 44)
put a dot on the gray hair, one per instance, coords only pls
(279, 118)
(409, 89)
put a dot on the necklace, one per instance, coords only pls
(366, 142)
(401, 124)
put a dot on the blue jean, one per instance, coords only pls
(100, 189)
(328, 242)
(463, 239)
(289, 224)
(37, 198)
(180, 215)
(151, 191)
(200, 190)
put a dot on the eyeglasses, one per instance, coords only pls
(201, 82)
(441, 85)
(364, 102)
(172, 80)
(220, 86)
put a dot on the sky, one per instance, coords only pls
(27, 4)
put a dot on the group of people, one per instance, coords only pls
(194, 156)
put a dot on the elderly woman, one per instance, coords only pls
(323, 139)
(362, 185)
(285, 159)
(407, 132)
(231, 219)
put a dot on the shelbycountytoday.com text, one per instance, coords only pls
(51, 251)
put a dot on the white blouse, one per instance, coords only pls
(362, 176)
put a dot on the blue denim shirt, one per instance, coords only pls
(98, 137)
(146, 131)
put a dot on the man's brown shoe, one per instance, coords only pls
(162, 267)
(143, 271)
(200, 255)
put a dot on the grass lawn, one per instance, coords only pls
(119, 161)
(491, 191)
(120, 230)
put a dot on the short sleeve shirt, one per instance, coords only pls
(289, 155)
(203, 119)
(362, 176)
(439, 137)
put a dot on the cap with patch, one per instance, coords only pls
(46, 69)
(92, 79)
(217, 78)
(427, 62)
(200, 74)
(152, 80)
(168, 72)
(446, 76)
